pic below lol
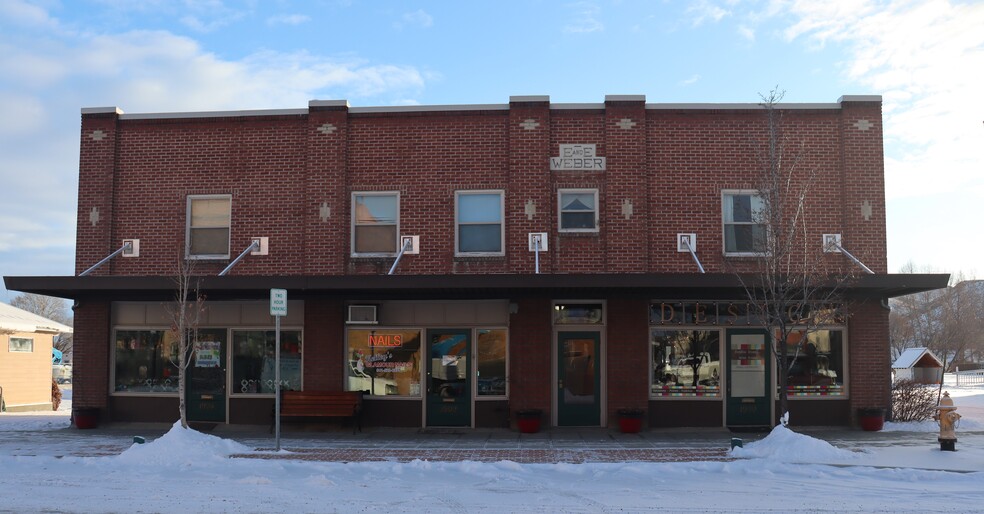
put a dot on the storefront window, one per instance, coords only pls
(384, 362)
(815, 363)
(146, 361)
(253, 361)
(686, 363)
(491, 362)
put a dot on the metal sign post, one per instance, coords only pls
(278, 307)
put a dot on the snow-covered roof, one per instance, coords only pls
(911, 356)
(19, 320)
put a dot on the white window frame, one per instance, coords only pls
(502, 222)
(724, 225)
(396, 242)
(188, 228)
(11, 348)
(560, 211)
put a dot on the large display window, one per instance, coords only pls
(146, 361)
(383, 362)
(491, 362)
(685, 363)
(253, 361)
(815, 363)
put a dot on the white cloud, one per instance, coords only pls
(746, 32)
(585, 19)
(702, 11)
(288, 19)
(692, 80)
(418, 18)
(24, 14)
(43, 85)
(926, 57)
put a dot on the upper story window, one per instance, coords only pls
(745, 231)
(478, 223)
(209, 222)
(20, 344)
(578, 210)
(375, 223)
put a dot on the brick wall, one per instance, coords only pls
(324, 345)
(530, 343)
(628, 354)
(291, 178)
(868, 351)
(91, 347)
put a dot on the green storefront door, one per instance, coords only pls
(206, 378)
(578, 379)
(449, 388)
(749, 399)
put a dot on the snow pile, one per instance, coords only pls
(784, 445)
(182, 447)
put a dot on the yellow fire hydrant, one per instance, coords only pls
(947, 416)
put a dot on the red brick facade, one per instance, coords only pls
(291, 175)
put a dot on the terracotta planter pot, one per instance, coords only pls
(528, 422)
(871, 420)
(629, 425)
(86, 418)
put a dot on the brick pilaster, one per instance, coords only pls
(326, 202)
(864, 180)
(626, 201)
(529, 182)
(97, 166)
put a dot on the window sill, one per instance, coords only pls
(479, 258)
(372, 258)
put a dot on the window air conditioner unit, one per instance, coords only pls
(362, 314)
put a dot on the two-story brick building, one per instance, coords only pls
(474, 323)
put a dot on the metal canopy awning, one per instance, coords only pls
(697, 286)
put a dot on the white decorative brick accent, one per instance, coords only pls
(324, 212)
(863, 125)
(327, 129)
(98, 135)
(530, 209)
(529, 124)
(625, 124)
(627, 208)
(94, 216)
(866, 210)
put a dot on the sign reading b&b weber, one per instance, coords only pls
(577, 157)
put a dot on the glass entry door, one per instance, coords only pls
(448, 378)
(749, 401)
(578, 379)
(205, 394)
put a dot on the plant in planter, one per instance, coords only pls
(630, 420)
(872, 419)
(528, 420)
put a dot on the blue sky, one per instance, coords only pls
(926, 58)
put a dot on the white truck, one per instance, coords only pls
(682, 372)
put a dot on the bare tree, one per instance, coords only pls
(55, 309)
(185, 314)
(947, 321)
(792, 285)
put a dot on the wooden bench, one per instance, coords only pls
(322, 404)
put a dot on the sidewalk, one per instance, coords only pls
(318, 442)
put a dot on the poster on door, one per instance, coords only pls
(207, 354)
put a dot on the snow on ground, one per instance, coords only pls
(188, 471)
